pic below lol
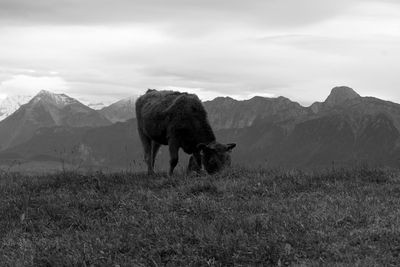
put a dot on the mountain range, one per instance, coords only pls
(46, 110)
(344, 130)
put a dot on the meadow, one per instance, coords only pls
(242, 217)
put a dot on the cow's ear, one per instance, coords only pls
(229, 147)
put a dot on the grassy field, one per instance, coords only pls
(238, 218)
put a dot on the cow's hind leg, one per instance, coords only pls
(147, 147)
(174, 155)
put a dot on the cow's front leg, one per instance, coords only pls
(194, 163)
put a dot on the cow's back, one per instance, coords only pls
(156, 104)
(159, 111)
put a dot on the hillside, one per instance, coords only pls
(46, 109)
(242, 218)
(120, 111)
(116, 146)
(344, 130)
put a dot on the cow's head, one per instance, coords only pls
(215, 156)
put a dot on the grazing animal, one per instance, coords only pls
(179, 120)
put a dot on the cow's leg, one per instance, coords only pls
(154, 149)
(146, 142)
(194, 163)
(173, 154)
(197, 157)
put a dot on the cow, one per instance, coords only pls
(179, 120)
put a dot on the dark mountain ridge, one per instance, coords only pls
(46, 110)
(344, 130)
(227, 113)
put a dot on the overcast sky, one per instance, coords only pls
(104, 50)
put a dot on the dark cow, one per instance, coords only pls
(179, 120)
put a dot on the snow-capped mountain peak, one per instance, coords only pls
(11, 103)
(47, 109)
(120, 111)
(60, 100)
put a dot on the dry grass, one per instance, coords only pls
(242, 218)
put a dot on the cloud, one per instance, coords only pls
(283, 12)
(28, 85)
(112, 49)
